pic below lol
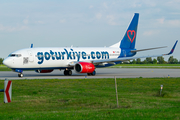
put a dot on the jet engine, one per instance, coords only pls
(43, 71)
(84, 67)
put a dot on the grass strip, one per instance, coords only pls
(92, 99)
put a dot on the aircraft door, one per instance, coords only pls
(31, 57)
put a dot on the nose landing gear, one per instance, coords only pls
(20, 72)
(20, 75)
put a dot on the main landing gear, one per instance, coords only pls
(93, 73)
(20, 75)
(67, 72)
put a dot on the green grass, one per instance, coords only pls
(93, 99)
(4, 68)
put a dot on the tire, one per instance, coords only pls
(69, 72)
(93, 73)
(65, 72)
(20, 75)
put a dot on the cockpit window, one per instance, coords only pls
(15, 55)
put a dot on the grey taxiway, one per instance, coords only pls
(100, 73)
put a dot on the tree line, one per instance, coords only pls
(148, 60)
(159, 60)
(1, 60)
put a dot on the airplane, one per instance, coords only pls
(80, 59)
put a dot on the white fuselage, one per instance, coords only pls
(57, 58)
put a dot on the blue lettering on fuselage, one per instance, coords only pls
(71, 55)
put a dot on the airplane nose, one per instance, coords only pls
(7, 62)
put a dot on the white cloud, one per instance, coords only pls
(39, 22)
(26, 21)
(173, 4)
(22, 28)
(105, 5)
(170, 23)
(136, 4)
(150, 3)
(62, 21)
(175, 13)
(161, 20)
(11, 29)
(111, 20)
(150, 32)
(175, 23)
(91, 6)
(3, 28)
(98, 15)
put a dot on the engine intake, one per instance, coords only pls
(84, 67)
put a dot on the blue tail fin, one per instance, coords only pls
(129, 40)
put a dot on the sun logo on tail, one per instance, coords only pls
(131, 31)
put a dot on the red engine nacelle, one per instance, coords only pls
(43, 71)
(84, 67)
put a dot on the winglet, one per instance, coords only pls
(172, 50)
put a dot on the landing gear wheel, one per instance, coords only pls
(20, 75)
(68, 72)
(93, 73)
(65, 72)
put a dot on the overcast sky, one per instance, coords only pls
(88, 23)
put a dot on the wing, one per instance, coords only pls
(111, 61)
